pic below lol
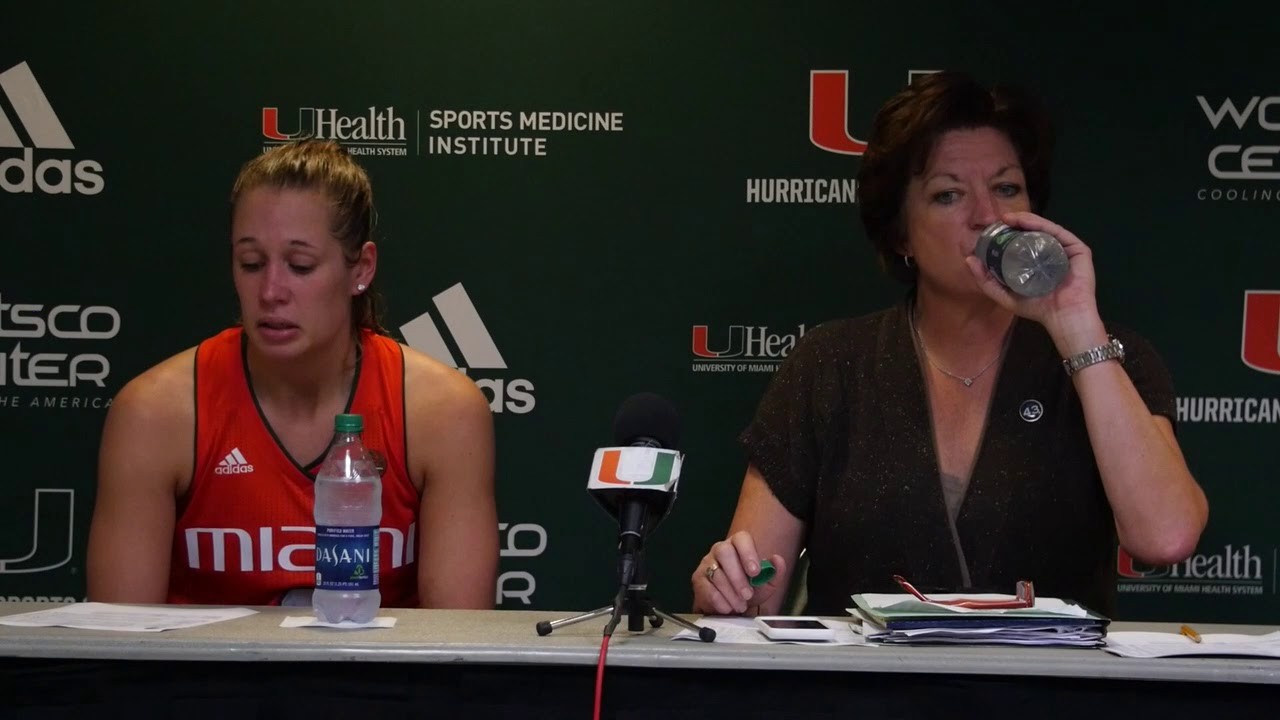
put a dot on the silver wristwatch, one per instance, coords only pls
(1113, 350)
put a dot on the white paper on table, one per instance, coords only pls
(1045, 604)
(129, 618)
(743, 631)
(294, 621)
(1138, 644)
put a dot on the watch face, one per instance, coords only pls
(1111, 350)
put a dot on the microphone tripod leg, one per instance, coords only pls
(705, 634)
(546, 626)
(615, 612)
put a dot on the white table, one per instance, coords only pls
(430, 646)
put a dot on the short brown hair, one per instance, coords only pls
(907, 127)
(323, 165)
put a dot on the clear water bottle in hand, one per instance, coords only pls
(1028, 262)
(348, 510)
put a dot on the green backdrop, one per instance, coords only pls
(618, 187)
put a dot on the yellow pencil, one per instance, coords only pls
(1195, 636)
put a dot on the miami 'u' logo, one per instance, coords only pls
(829, 113)
(1128, 567)
(702, 344)
(663, 465)
(271, 124)
(1260, 339)
(51, 533)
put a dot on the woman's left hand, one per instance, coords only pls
(1071, 301)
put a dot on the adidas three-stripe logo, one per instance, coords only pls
(35, 116)
(233, 464)
(464, 324)
(459, 318)
(33, 110)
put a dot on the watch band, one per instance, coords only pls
(1113, 350)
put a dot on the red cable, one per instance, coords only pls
(604, 652)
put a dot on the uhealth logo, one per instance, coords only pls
(44, 132)
(372, 132)
(750, 348)
(474, 343)
(1233, 570)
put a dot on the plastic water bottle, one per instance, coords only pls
(1028, 262)
(348, 509)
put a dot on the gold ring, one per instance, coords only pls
(711, 571)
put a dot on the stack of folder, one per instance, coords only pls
(904, 619)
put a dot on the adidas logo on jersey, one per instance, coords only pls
(233, 464)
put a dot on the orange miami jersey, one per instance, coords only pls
(245, 534)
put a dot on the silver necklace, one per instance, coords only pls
(968, 381)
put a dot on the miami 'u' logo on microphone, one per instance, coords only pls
(635, 467)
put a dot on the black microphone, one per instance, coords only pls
(647, 420)
(635, 481)
(638, 488)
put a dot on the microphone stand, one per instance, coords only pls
(632, 600)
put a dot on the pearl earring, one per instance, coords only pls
(361, 287)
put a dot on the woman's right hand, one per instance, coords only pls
(721, 582)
